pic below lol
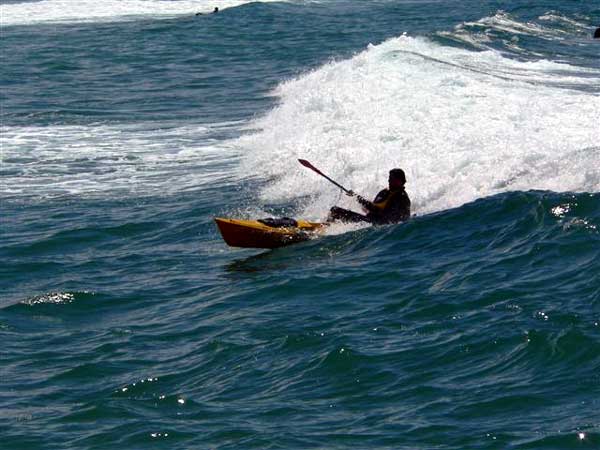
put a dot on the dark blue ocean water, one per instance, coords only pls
(127, 126)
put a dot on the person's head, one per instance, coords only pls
(397, 179)
(597, 34)
(216, 10)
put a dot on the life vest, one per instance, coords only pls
(383, 199)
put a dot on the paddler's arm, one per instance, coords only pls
(369, 206)
(366, 204)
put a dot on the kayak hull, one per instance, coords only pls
(254, 234)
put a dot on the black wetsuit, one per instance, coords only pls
(387, 207)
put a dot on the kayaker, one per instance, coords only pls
(391, 205)
(216, 10)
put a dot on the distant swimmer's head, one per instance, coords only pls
(216, 10)
(397, 178)
(597, 34)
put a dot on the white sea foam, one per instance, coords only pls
(70, 11)
(502, 21)
(463, 125)
(108, 160)
(550, 26)
(556, 17)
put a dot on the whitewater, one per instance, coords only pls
(463, 125)
(86, 11)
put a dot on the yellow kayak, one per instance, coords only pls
(267, 233)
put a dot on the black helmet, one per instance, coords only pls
(398, 174)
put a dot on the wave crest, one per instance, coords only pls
(463, 125)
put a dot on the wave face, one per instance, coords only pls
(125, 320)
(438, 330)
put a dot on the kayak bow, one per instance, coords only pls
(255, 234)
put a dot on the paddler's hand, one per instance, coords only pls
(362, 200)
(349, 193)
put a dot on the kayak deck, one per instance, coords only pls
(254, 234)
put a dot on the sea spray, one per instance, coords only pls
(463, 124)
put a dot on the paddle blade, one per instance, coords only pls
(305, 163)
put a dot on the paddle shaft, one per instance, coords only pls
(308, 165)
